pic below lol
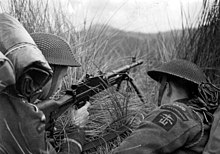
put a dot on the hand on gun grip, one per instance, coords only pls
(80, 117)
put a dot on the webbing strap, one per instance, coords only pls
(162, 89)
(21, 45)
(55, 77)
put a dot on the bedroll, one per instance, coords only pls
(21, 58)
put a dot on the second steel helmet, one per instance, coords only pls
(180, 68)
(55, 49)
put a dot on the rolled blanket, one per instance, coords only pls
(32, 71)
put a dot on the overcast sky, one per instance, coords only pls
(131, 15)
(135, 15)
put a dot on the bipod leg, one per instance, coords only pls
(135, 88)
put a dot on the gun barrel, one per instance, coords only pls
(123, 69)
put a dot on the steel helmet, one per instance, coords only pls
(179, 68)
(55, 49)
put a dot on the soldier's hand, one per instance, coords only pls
(80, 117)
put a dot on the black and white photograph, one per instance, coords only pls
(109, 76)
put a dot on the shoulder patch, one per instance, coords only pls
(179, 110)
(165, 119)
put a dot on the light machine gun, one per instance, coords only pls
(80, 93)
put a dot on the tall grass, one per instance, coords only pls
(201, 44)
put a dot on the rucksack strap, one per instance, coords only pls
(162, 89)
(56, 72)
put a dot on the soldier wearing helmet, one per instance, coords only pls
(22, 124)
(181, 122)
(59, 55)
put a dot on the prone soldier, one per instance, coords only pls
(182, 123)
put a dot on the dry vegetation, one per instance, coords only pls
(201, 45)
(97, 51)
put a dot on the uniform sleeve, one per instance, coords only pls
(164, 131)
(38, 140)
(22, 128)
(66, 148)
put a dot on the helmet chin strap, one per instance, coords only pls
(56, 73)
(162, 89)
